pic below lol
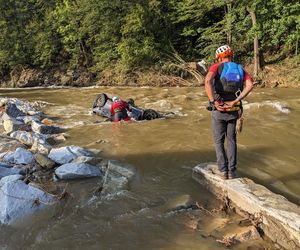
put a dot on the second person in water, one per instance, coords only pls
(119, 109)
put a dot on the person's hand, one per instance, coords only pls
(231, 104)
(220, 105)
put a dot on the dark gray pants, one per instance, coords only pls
(223, 126)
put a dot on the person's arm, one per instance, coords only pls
(209, 89)
(248, 86)
(209, 85)
(112, 110)
(126, 106)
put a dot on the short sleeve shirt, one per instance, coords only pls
(214, 68)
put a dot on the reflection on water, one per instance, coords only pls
(164, 152)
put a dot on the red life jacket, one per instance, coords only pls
(118, 107)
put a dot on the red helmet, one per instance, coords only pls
(224, 51)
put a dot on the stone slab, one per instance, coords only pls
(278, 217)
(77, 170)
(18, 200)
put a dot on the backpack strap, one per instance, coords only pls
(241, 71)
(224, 69)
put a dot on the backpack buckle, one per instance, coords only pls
(238, 93)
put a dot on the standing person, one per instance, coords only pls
(119, 109)
(226, 85)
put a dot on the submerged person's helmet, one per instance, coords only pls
(116, 99)
(224, 51)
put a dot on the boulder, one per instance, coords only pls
(18, 200)
(10, 178)
(8, 144)
(41, 146)
(77, 170)
(5, 165)
(59, 137)
(12, 110)
(67, 154)
(9, 171)
(122, 169)
(117, 176)
(89, 160)
(44, 161)
(8, 157)
(11, 124)
(23, 156)
(29, 118)
(41, 128)
(23, 106)
(279, 218)
(27, 138)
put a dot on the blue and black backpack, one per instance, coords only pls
(230, 78)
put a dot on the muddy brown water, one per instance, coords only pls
(164, 152)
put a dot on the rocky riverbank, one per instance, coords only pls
(284, 74)
(30, 162)
(272, 214)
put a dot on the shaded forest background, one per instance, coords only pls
(113, 41)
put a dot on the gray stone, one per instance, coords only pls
(114, 184)
(44, 129)
(117, 176)
(8, 144)
(122, 169)
(77, 170)
(27, 138)
(67, 154)
(89, 160)
(10, 124)
(23, 106)
(10, 178)
(29, 118)
(18, 200)
(9, 157)
(5, 165)
(23, 156)
(12, 110)
(44, 161)
(279, 218)
(41, 146)
(9, 171)
(59, 137)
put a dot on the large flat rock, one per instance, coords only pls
(9, 144)
(77, 170)
(67, 154)
(278, 218)
(18, 200)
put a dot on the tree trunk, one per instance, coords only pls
(228, 9)
(297, 42)
(258, 57)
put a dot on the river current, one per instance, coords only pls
(163, 151)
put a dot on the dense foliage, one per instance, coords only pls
(130, 34)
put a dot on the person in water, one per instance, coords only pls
(226, 85)
(119, 109)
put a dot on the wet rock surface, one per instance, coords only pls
(76, 171)
(67, 154)
(117, 176)
(18, 199)
(275, 215)
(29, 161)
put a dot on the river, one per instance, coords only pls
(164, 151)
